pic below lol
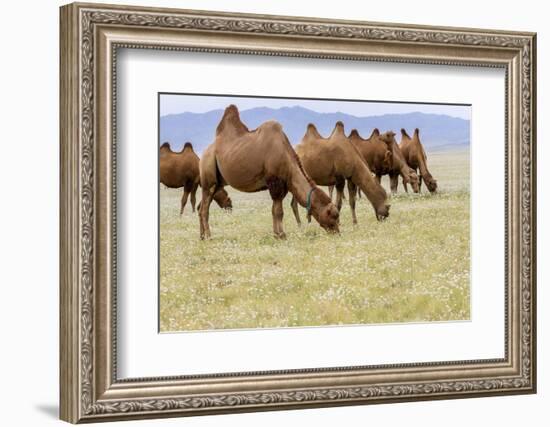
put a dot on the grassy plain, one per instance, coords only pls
(413, 267)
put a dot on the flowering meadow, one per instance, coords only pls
(413, 267)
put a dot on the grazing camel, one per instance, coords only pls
(258, 160)
(182, 170)
(384, 157)
(416, 158)
(332, 161)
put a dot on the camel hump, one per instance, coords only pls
(271, 125)
(188, 146)
(416, 132)
(312, 131)
(338, 128)
(404, 133)
(165, 147)
(354, 133)
(231, 120)
(375, 132)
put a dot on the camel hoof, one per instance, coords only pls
(281, 236)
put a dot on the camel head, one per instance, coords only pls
(378, 198)
(225, 202)
(387, 138)
(431, 183)
(324, 211)
(412, 178)
(382, 210)
(383, 213)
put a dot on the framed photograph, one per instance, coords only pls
(267, 212)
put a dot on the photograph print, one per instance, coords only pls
(288, 212)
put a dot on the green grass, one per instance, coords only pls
(413, 267)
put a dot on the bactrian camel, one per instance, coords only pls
(181, 169)
(257, 160)
(416, 158)
(332, 161)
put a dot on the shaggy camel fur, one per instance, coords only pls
(385, 158)
(258, 160)
(416, 158)
(182, 170)
(332, 161)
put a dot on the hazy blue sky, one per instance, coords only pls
(174, 104)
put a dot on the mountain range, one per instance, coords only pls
(437, 131)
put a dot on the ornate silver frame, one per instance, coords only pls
(90, 36)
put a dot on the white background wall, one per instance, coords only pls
(29, 170)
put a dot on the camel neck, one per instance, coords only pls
(362, 177)
(422, 163)
(402, 166)
(300, 186)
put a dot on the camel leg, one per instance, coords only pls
(357, 190)
(277, 212)
(339, 198)
(204, 211)
(277, 190)
(340, 184)
(352, 189)
(405, 186)
(194, 196)
(330, 191)
(294, 206)
(184, 199)
(394, 182)
(419, 182)
(379, 178)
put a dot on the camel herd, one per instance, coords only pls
(264, 159)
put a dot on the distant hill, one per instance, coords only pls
(199, 128)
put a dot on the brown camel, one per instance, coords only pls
(332, 161)
(182, 170)
(416, 158)
(258, 160)
(384, 157)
